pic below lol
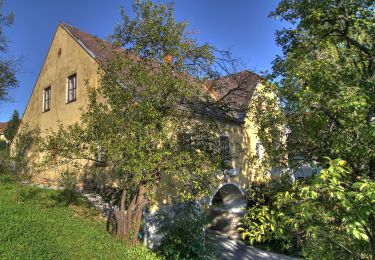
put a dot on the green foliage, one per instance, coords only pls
(41, 227)
(325, 81)
(182, 227)
(326, 216)
(7, 71)
(262, 219)
(12, 128)
(157, 34)
(3, 148)
(68, 180)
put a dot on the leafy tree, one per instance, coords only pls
(325, 81)
(13, 124)
(131, 129)
(7, 72)
(326, 215)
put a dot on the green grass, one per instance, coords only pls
(43, 225)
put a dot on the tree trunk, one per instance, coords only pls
(141, 202)
(129, 220)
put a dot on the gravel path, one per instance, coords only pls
(235, 249)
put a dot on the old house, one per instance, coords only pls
(72, 62)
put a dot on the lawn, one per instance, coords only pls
(44, 225)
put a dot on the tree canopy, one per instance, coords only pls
(325, 82)
(13, 124)
(7, 71)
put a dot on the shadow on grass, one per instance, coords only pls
(52, 198)
(69, 197)
(31, 194)
(5, 177)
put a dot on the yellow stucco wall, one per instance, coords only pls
(54, 73)
(243, 139)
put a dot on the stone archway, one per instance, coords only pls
(229, 197)
(227, 208)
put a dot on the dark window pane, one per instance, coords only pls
(47, 99)
(72, 86)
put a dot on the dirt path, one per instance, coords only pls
(234, 249)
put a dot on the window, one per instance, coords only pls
(224, 148)
(72, 88)
(47, 99)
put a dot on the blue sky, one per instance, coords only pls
(240, 25)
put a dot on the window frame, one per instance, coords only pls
(73, 89)
(47, 99)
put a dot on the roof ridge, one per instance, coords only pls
(98, 48)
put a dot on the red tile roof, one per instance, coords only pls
(3, 125)
(233, 92)
(96, 47)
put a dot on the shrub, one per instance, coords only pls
(69, 195)
(68, 180)
(3, 146)
(182, 227)
(328, 216)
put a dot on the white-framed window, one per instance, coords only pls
(47, 99)
(71, 94)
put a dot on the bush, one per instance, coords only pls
(264, 193)
(182, 228)
(262, 218)
(69, 195)
(68, 180)
(328, 216)
(3, 149)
